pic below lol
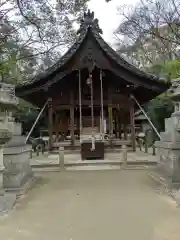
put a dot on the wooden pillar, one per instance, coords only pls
(119, 124)
(50, 122)
(133, 135)
(56, 125)
(125, 131)
(72, 117)
(110, 119)
(116, 128)
(72, 125)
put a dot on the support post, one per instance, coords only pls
(154, 150)
(1, 167)
(102, 105)
(31, 154)
(115, 119)
(125, 131)
(110, 122)
(72, 118)
(110, 117)
(152, 125)
(72, 125)
(61, 158)
(146, 146)
(80, 106)
(119, 124)
(133, 134)
(124, 156)
(50, 122)
(146, 143)
(39, 115)
(56, 125)
(92, 99)
(140, 144)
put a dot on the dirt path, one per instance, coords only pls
(93, 205)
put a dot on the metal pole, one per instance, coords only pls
(39, 115)
(102, 106)
(152, 125)
(80, 105)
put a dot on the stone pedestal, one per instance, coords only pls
(169, 151)
(18, 174)
(7, 200)
(1, 167)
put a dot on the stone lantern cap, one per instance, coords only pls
(7, 95)
(174, 90)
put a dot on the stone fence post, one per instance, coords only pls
(146, 146)
(61, 158)
(1, 167)
(124, 156)
(154, 150)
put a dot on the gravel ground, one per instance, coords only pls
(93, 205)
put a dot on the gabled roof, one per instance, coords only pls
(89, 28)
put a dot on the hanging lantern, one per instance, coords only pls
(88, 81)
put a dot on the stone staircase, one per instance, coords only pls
(90, 130)
(86, 133)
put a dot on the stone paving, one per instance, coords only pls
(86, 205)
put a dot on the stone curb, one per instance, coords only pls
(97, 163)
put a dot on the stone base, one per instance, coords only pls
(17, 170)
(164, 181)
(167, 186)
(23, 189)
(169, 161)
(7, 202)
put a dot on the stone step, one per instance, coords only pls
(78, 150)
(96, 163)
(89, 130)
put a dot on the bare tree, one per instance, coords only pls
(44, 25)
(152, 26)
(35, 32)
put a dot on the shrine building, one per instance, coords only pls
(91, 91)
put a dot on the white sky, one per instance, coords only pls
(107, 15)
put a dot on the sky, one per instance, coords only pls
(108, 16)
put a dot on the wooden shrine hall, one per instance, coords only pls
(90, 94)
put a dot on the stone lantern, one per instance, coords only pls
(17, 174)
(6, 200)
(169, 145)
(15, 170)
(5, 136)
